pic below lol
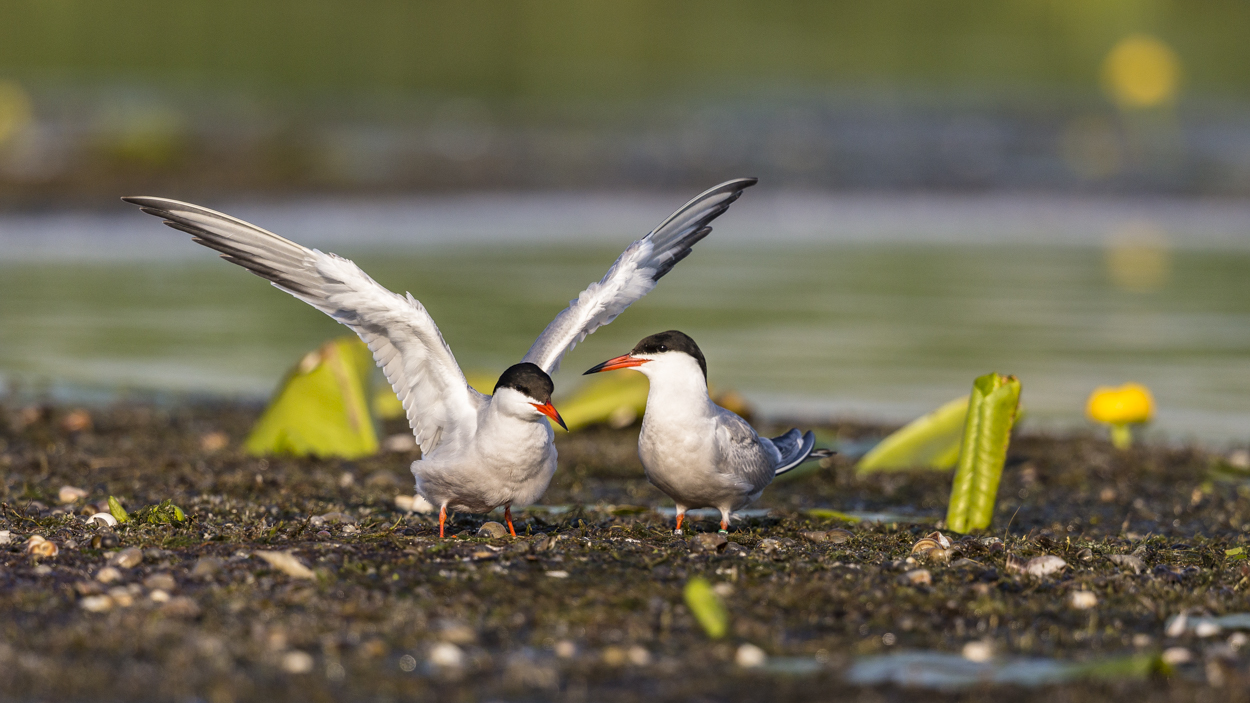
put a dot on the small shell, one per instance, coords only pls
(40, 547)
(917, 577)
(924, 544)
(70, 494)
(938, 555)
(1016, 564)
(1045, 565)
(1082, 600)
(102, 520)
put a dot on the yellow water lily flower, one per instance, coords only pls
(1130, 404)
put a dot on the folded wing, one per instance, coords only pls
(634, 274)
(441, 407)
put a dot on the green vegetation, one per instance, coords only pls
(987, 432)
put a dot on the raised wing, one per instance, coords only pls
(441, 407)
(634, 274)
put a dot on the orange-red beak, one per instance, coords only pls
(621, 362)
(550, 411)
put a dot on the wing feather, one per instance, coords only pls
(405, 342)
(634, 274)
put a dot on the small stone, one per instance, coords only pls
(1128, 561)
(1173, 656)
(162, 582)
(213, 442)
(287, 563)
(181, 607)
(917, 577)
(1044, 565)
(297, 662)
(1177, 626)
(108, 574)
(76, 421)
(159, 596)
(735, 549)
(614, 656)
(89, 588)
(5, 537)
(122, 597)
(638, 655)
(978, 651)
(456, 632)
(347, 479)
(565, 649)
(710, 542)
(96, 604)
(749, 656)
(558, 574)
(1207, 628)
(492, 530)
(205, 567)
(446, 655)
(70, 494)
(1082, 600)
(127, 558)
(816, 536)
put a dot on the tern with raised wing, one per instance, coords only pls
(478, 452)
(698, 453)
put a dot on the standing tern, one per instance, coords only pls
(478, 452)
(700, 454)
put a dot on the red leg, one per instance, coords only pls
(680, 517)
(507, 516)
(442, 520)
(724, 525)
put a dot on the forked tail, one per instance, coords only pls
(796, 448)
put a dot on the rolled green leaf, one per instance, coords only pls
(930, 441)
(707, 608)
(117, 511)
(987, 432)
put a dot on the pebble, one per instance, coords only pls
(76, 421)
(70, 494)
(978, 651)
(1128, 561)
(5, 537)
(614, 656)
(558, 574)
(492, 530)
(565, 649)
(127, 558)
(206, 567)
(749, 656)
(638, 655)
(1176, 655)
(108, 575)
(710, 541)
(287, 563)
(446, 655)
(735, 549)
(1082, 600)
(96, 604)
(297, 662)
(102, 520)
(181, 607)
(839, 535)
(917, 577)
(769, 545)
(121, 596)
(816, 536)
(162, 582)
(159, 596)
(214, 442)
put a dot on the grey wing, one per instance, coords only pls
(634, 274)
(750, 459)
(440, 404)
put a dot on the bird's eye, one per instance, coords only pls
(663, 348)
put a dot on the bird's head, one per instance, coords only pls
(666, 352)
(524, 390)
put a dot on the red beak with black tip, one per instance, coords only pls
(621, 362)
(550, 411)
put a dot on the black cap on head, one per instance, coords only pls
(528, 379)
(671, 341)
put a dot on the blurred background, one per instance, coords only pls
(1058, 189)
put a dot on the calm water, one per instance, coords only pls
(879, 328)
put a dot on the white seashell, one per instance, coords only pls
(71, 494)
(102, 520)
(1082, 600)
(976, 651)
(749, 656)
(1045, 565)
(5, 537)
(446, 655)
(297, 662)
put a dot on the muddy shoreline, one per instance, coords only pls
(587, 604)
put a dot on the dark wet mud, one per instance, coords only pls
(587, 604)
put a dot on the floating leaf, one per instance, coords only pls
(987, 432)
(707, 608)
(930, 441)
(321, 407)
(117, 511)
